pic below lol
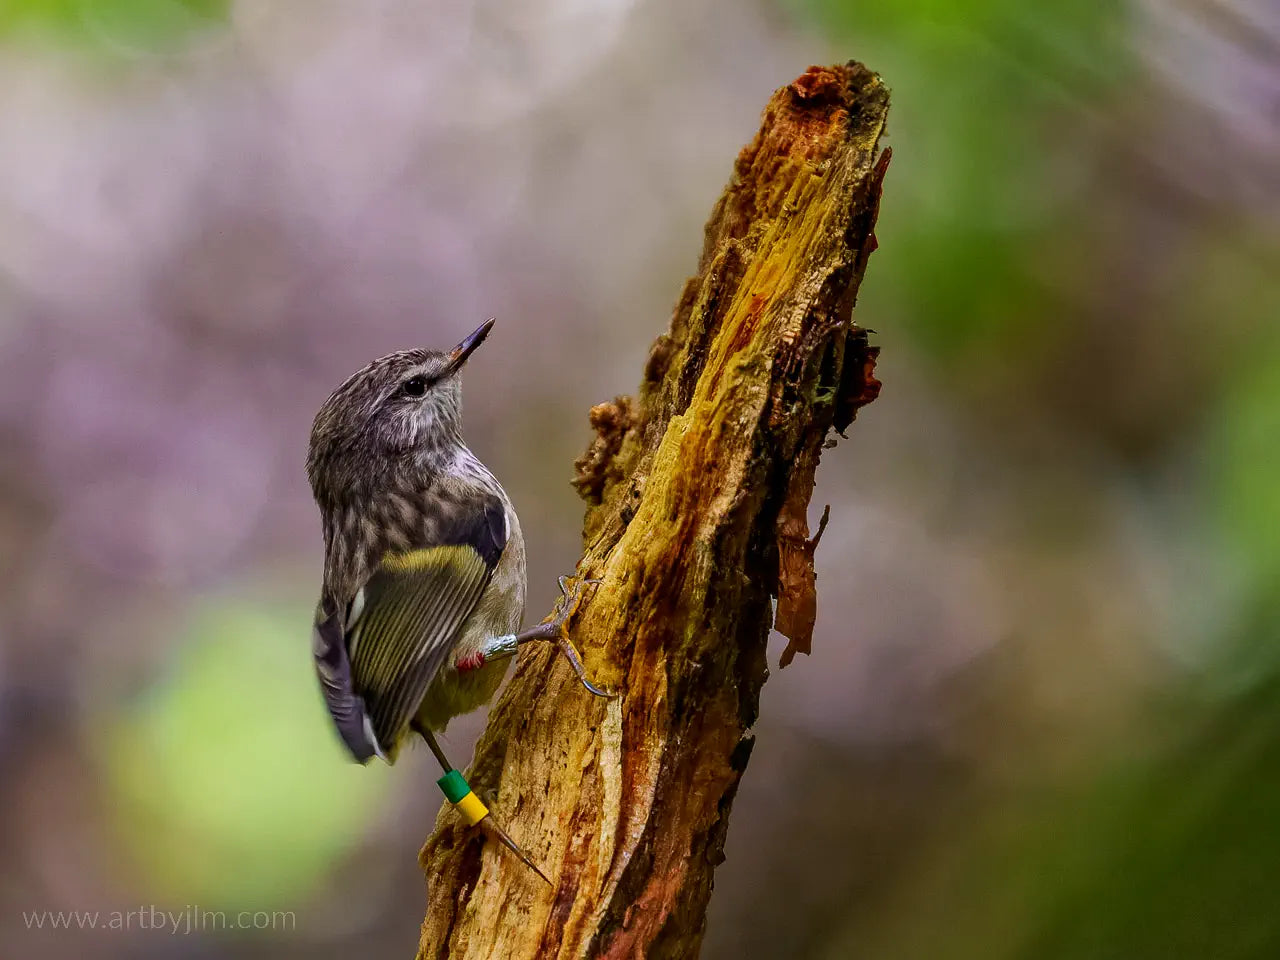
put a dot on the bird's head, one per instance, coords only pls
(406, 404)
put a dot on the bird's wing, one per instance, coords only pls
(401, 626)
(408, 618)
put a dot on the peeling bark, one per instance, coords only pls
(698, 497)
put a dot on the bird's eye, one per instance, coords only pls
(414, 386)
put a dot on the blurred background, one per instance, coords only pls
(1043, 709)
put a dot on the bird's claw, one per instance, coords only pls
(570, 597)
(570, 653)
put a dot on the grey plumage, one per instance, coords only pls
(424, 559)
(424, 572)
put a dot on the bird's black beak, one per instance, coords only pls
(458, 356)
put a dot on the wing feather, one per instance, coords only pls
(334, 669)
(414, 605)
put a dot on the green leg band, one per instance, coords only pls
(458, 792)
(454, 785)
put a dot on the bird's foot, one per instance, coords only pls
(552, 631)
(567, 605)
(570, 597)
(570, 653)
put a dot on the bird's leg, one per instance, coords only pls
(553, 630)
(459, 793)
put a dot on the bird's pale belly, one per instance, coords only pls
(456, 692)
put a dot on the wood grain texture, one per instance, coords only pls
(698, 494)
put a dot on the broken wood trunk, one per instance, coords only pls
(698, 494)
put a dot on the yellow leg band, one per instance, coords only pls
(472, 808)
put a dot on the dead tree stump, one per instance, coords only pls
(699, 493)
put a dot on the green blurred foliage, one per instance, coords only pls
(983, 95)
(1189, 851)
(230, 785)
(129, 27)
(1169, 857)
(1248, 466)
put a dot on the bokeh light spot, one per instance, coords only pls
(230, 786)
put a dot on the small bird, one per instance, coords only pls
(424, 571)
